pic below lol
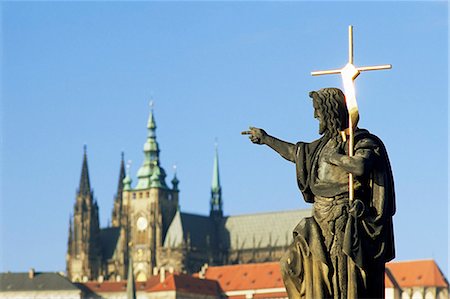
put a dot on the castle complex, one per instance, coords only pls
(149, 231)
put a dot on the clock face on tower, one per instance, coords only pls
(141, 223)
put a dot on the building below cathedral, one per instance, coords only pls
(149, 229)
(419, 279)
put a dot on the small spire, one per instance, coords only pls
(127, 179)
(151, 124)
(216, 189)
(85, 186)
(215, 184)
(175, 180)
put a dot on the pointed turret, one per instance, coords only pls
(118, 201)
(131, 289)
(216, 189)
(127, 180)
(151, 162)
(175, 180)
(84, 188)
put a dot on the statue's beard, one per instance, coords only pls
(322, 128)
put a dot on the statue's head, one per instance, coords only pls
(330, 110)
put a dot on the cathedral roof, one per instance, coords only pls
(189, 228)
(236, 232)
(261, 230)
(108, 238)
(39, 281)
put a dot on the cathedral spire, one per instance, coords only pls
(85, 186)
(216, 189)
(151, 165)
(121, 175)
(84, 251)
(117, 210)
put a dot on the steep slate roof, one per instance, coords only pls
(42, 281)
(418, 273)
(108, 238)
(184, 225)
(262, 229)
(236, 232)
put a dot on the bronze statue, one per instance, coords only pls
(341, 251)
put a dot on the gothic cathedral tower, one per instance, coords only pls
(148, 208)
(84, 254)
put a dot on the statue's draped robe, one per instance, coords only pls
(336, 254)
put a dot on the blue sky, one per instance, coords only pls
(83, 73)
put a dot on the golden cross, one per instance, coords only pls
(349, 73)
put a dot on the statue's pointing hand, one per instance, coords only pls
(256, 135)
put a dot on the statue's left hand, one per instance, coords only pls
(357, 208)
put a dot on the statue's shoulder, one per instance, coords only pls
(365, 139)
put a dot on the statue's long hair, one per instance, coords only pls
(331, 102)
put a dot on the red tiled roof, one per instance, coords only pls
(186, 284)
(417, 273)
(119, 286)
(246, 276)
(179, 282)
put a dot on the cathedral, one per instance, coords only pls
(148, 230)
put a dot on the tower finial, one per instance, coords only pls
(85, 148)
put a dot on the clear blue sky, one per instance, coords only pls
(83, 73)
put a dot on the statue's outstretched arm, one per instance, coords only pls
(259, 136)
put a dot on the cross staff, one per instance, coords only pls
(349, 73)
